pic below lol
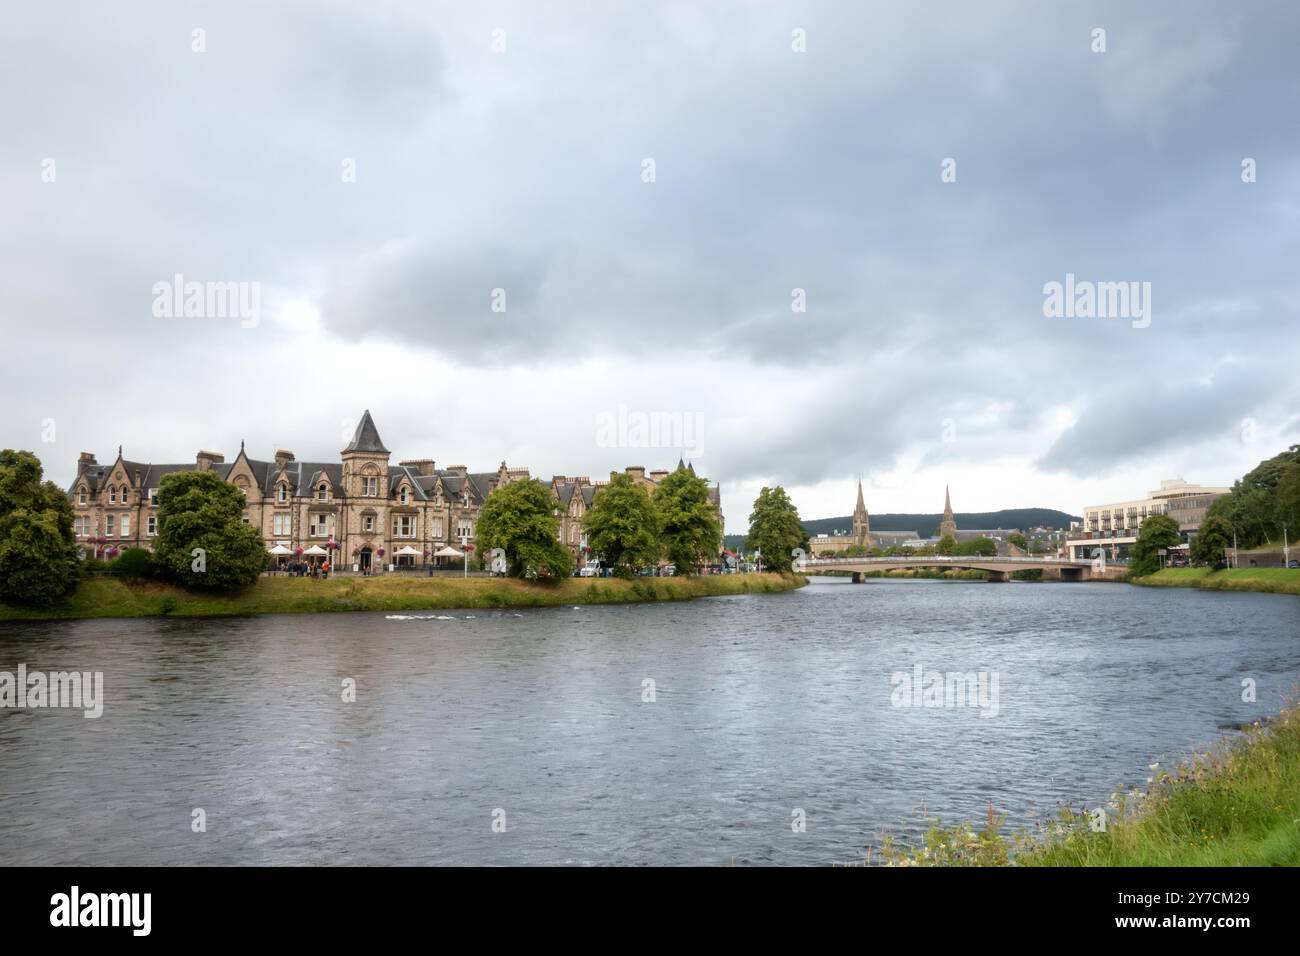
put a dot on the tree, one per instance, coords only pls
(1158, 531)
(1018, 540)
(202, 540)
(690, 531)
(38, 551)
(977, 547)
(775, 529)
(1211, 542)
(947, 545)
(1286, 509)
(1256, 507)
(622, 525)
(520, 518)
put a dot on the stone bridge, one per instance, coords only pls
(998, 569)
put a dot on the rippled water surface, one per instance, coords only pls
(763, 704)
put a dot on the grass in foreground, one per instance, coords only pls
(1269, 580)
(111, 597)
(1236, 806)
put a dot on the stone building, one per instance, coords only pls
(361, 510)
(948, 526)
(859, 537)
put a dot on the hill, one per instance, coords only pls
(926, 524)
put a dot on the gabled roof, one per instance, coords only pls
(366, 437)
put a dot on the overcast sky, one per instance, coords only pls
(378, 170)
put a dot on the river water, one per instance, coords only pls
(530, 737)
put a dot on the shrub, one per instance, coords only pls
(132, 563)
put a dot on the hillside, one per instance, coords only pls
(926, 524)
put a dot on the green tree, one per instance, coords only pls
(1256, 507)
(1286, 509)
(976, 547)
(1019, 541)
(947, 545)
(775, 529)
(202, 540)
(622, 525)
(689, 528)
(38, 551)
(1211, 542)
(1158, 531)
(520, 518)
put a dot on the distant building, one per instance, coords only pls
(1114, 527)
(948, 526)
(860, 536)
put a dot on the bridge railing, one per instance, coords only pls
(952, 559)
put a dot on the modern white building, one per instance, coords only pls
(1114, 527)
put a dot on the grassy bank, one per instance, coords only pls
(111, 597)
(1270, 580)
(1236, 806)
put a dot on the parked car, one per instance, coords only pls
(1294, 564)
(590, 570)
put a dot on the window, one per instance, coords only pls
(81, 495)
(152, 526)
(126, 526)
(83, 526)
(112, 494)
(322, 492)
(405, 495)
(464, 529)
(282, 493)
(370, 486)
(153, 497)
(321, 525)
(281, 523)
(108, 526)
(437, 527)
(404, 526)
(244, 518)
(368, 523)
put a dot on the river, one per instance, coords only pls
(534, 737)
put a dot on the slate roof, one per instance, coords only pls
(366, 437)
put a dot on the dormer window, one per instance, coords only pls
(281, 493)
(112, 494)
(322, 492)
(153, 497)
(404, 496)
(81, 495)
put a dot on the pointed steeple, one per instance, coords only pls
(366, 438)
(861, 521)
(948, 526)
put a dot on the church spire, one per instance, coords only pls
(948, 526)
(861, 521)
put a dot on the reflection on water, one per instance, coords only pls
(763, 704)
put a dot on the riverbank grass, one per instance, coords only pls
(113, 597)
(1268, 580)
(1236, 806)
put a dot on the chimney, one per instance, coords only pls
(282, 458)
(637, 472)
(87, 460)
(458, 469)
(204, 460)
(422, 466)
(559, 479)
(658, 475)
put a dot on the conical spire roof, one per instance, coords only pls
(366, 437)
(860, 507)
(947, 503)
